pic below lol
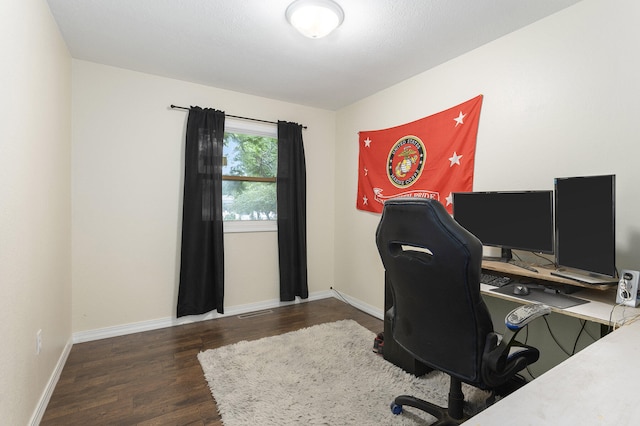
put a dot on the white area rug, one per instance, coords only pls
(321, 375)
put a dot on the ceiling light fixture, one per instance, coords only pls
(314, 18)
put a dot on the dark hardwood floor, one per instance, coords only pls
(154, 378)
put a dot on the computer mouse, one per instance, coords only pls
(520, 290)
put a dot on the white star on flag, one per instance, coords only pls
(459, 119)
(455, 159)
(366, 171)
(449, 199)
(365, 200)
(367, 142)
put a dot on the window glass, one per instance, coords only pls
(249, 176)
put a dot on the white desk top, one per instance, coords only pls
(597, 386)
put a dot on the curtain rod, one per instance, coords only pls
(234, 116)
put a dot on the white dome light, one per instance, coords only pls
(315, 18)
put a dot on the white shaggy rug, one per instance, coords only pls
(321, 375)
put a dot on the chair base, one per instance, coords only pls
(440, 413)
(452, 415)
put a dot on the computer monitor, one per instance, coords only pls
(585, 227)
(510, 220)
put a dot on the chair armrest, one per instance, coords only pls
(499, 362)
(523, 315)
(497, 367)
(495, 352)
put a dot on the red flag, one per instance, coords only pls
(428, 158)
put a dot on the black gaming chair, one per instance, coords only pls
(433, 267)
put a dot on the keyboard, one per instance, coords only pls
(494, 280)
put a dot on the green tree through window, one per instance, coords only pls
(249, 177)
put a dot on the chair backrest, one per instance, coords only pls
(433, 267)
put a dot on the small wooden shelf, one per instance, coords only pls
(543, 274)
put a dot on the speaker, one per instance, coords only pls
(628, 288)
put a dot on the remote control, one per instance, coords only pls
(522, 315)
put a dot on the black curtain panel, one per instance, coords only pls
(202, 258)
(292, 212)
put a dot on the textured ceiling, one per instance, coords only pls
(247, 45)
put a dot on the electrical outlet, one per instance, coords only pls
(38, 342)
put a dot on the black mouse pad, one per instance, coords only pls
(556, 300)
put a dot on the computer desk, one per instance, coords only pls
(601, 308)
(596, 386)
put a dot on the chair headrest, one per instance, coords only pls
(421, 221)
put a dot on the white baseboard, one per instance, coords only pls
(358, 304)
(121, 330)
(36, 418)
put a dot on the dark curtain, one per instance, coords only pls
(202, 259)
(292, 212)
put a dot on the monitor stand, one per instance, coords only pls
(505, 256)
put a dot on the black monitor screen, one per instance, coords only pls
(585, 223)
(510, 220)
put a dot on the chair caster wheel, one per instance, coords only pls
(395, 408)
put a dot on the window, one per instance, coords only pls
(249, 176)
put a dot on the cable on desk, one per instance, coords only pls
(611, 317)
(612, 325)
(526, 338)
(554, 337)
(547, 261)
(625, 321)
(586, 330)
(575, 344)
(529, 371)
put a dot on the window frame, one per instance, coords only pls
(253, 128)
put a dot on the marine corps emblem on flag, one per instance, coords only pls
(428, 158)
(406, 159)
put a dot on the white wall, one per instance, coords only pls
(128, 155)
(559, 100)
(35, 205)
